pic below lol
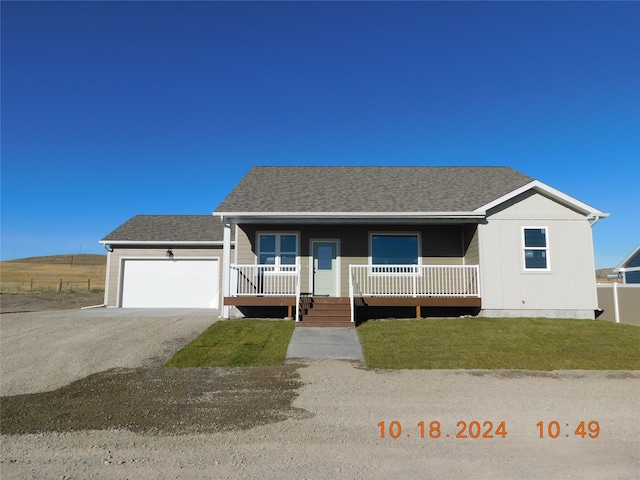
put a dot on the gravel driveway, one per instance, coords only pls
(46, 350)
(328, 424)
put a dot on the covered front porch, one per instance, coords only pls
(370, 286)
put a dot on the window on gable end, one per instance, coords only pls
(536, 248)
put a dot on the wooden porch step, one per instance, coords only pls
(327, 318)
(328, 300)
(325, 312)
(328, 311)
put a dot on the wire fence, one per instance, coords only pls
(48, 286)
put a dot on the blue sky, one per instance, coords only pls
(112, 109)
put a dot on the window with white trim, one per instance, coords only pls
(277, 248)
(536, 248)
(394, 249)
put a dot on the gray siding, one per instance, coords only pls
(472, 249)
(441, 244)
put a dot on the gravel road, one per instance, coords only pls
(317, 419)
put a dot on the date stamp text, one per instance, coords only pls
(486, 429)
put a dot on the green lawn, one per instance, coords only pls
(486, 343)
(237, 343)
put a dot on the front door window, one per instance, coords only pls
(325, 268)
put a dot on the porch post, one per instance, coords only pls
(351, 293)
(226, 266)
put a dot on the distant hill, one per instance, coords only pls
(72, 259)
(601, 275)
(53, 272)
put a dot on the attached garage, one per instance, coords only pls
(165, 261)
(170, 283)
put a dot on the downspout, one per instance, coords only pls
(226, 265)
(109, 249)
(594, 218)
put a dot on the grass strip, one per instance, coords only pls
(237, 343)
(492, 343)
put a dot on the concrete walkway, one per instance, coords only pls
(325, 342)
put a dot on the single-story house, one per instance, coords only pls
(336, 244)
(629, 268)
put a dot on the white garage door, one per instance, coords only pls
(170, 283)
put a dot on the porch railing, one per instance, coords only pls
(413, 281)
(265, 281)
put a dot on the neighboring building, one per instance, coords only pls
(319, 243)
(630, 267)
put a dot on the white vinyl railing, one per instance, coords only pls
(412, 281)
(364, 280)
(266, 281)
(415, 280)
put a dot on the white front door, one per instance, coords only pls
(325, 267)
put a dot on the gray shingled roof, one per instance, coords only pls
(168, 228)
(370, 189)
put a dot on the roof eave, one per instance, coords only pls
(162, 242)
(587, 210)
(349, 216)
(633, 253)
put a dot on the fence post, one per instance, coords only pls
(616, 308)
(88, 284)
(60, 286)
(31, 285)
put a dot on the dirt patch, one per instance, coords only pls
(162, 400)
(38, 302)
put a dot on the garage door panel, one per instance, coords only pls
(170, 283)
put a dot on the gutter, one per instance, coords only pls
(595, 218)
(336, 216)
(107, 244)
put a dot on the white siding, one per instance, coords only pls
(567, 289)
